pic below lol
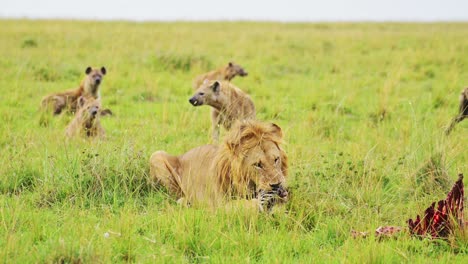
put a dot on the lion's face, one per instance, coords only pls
(254, 152)
(265, 161)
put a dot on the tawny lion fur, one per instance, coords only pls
(86, 122)
(228, 103)
(89, 87)
(225, 73)
(249, 160)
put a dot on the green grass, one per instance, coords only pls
(363, 108)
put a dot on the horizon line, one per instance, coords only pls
(240, 20)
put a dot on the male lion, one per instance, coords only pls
(225, 73)
(250, 163)
(89, 87)
(86, 122)
(229, 104)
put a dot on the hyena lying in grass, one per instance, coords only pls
(462, 111)
(225, 73)
(89, 87)
(86, 122)
(229, 104)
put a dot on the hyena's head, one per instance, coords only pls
(88, 110)
(94, 77)
(207, 93)
(232, 70)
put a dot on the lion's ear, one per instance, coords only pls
(234, 147)
(235, 142)
(276, 130)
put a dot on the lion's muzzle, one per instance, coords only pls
(283, 193)
(280, 190)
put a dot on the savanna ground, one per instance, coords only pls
(363, 107)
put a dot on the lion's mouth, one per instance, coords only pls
(283, 194)
(279, 192)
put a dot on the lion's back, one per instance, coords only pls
(197, 173)
(199, 160)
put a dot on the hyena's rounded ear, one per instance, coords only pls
(82, 101)
(103, 70)
(215, 86)
(88, 70)
(230, 64)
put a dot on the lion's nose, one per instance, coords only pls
(282, 193)
(279, 189)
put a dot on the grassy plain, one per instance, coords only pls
(363, 107)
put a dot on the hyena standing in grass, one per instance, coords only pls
(462, 111)
(225, 73)
(86, 122)
(229, 104)
(89, 87)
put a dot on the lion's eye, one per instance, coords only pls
(258, 165)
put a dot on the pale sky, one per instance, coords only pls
(273, 10)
